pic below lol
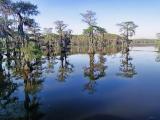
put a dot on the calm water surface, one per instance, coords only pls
(86, 87)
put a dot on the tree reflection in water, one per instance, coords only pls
(20, 99)
(65, 67)
(32, 85)
(158, 53)
(127, 69)
(95, 71)
(7, 99)
(51, 61)
(7, 87)
(13, 106)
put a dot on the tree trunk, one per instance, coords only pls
(20, 29)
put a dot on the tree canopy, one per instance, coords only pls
(127, 29)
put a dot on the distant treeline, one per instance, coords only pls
(144, 41)
(109, 50)
(83, 40)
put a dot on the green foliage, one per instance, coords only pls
(5, 29)
(31, 52)
(51, 37)
(88, 31)
(29, 22)
(25, 8)
(101, 30)
(127, 29)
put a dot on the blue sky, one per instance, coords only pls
(145, 13)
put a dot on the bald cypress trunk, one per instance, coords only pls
(1, 58)
(20, 29)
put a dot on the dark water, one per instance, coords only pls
(86, 87)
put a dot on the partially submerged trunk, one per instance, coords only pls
(27, 66)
